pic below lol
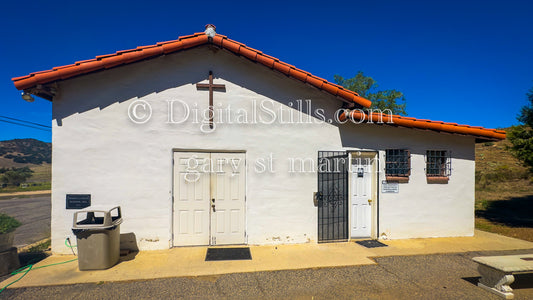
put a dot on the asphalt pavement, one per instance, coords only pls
(439, 276)
(34, 214)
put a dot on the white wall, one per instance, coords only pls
(98, 150)
(421, 209)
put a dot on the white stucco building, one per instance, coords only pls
(133, 129)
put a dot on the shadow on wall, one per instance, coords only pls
(514, 212)
(128, 241)
(137, 80)
(382, 136)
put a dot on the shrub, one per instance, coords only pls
(15, 176)
(8, 223)
(521, 137)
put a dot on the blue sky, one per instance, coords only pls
(469, 62)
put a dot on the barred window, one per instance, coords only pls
(397, 163)
(438, 163)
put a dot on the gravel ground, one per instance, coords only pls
(446, 276)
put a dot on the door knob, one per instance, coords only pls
(213, 207)
(369, 201)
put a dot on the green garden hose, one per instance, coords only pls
(26, 272)
(29, 267)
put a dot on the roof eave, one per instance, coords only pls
(120, 58)
(481, 134)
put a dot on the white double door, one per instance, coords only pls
(209, 198)
(361, 193)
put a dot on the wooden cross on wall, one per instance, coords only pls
(212, 87)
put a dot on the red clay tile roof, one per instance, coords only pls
(395, 120)
(185, 42)
(108, 61)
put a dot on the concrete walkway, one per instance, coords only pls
(189, 261)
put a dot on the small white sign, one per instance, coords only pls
(390, 187)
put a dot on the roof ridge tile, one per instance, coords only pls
(118, 58)
(269, 62)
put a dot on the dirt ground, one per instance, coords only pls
(504, 192)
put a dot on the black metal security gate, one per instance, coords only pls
(332, 196)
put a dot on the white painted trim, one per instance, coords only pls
(375, 192)
(171, 242)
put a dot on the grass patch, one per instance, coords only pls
(8, 223)
(523, 233)
(34, 253)
(44, 246)
(484, 225)
(46, 186)
(41, 173)
(504, 192)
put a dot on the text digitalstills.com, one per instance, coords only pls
(267, 112)
(259, 112)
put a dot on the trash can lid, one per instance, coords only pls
(97, 217)
(101, 207)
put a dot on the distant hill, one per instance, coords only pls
(496, 163)
(504, 192)
(25, 151)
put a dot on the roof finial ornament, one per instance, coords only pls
(210, 30)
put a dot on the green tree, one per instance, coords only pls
(16, 176)
(521, 136)
(366, 87)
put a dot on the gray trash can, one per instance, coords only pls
(98, 238)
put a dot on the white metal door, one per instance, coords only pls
(361, 193)
(227, 198)
(191, 199)
(209, 198)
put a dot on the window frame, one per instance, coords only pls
(440, 171)
(395, 176)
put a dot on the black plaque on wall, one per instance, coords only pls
(78, 201)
